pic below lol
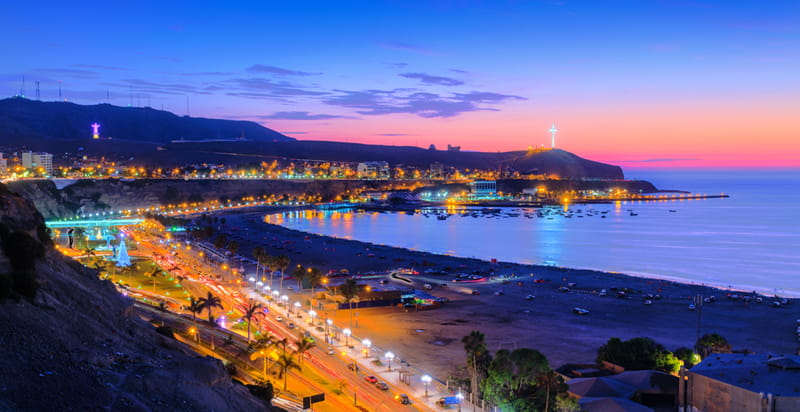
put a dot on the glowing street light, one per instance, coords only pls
(346, 334)
(312, 313)
(285, 300)
(426, 380)
(275, 294)
(328, 325)
(389, 357)
(297, 306)
(366, 343)
(460, 396)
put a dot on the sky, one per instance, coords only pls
(640, 83)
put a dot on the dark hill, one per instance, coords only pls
(558, 162)
(21, 117)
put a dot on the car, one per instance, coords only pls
(383, 281)
(382, 385)
(402, 398)
(331, 351)
(692, 306)
(279, 318)
(353, 367)
(498, 292)
(603, 292)
(371, 379)
(648, 302)
(475, 292)
(530, 297)
(580, 311)
(563, 289)
(291, 325)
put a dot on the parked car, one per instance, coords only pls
(331, 351)
(692, 306)
(529, 297)
(580, 311)
(603, 292)
(648, 302)
(382, 386)
(279, 318)
(371, 379)
(291, 325)
(563, 289)
(476, 292)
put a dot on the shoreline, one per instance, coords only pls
(545, 323)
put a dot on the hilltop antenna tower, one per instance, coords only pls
(131, 103)
(59, 90)
(22, 89)
(38, 96)
(187, 105)
(108, 96)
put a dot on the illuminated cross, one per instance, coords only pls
(95, 131)
(553, 132)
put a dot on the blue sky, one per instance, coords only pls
(432, 71)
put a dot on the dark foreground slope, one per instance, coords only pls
(23, 118)
(76, 345)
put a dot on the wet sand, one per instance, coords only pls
(430, 339)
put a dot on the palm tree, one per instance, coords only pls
(282, 262)
(155, 273)
(303, 345)
(349, 291)
(258, 252)
(129, 269)
(299, 273)
(89, 252)
(210, 302)
(249, 312)
(261, 350)
(550, 381)
(477, 356)
(286, 363)
(314, 277)
(195, 307)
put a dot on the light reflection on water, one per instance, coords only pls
(749, 240)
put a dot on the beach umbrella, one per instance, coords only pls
(600, 388)
(649, 382)
(611, 405)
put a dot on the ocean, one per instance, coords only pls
(750, 241)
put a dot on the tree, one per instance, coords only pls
(314, 277)
(154, 273)
(285, 364)
(258, 252)
(349, 291)
(261, 350)
(688, 356)
(303, 345)
(477, 359)
(233, 246)
(520, 380)
(210, 302)
(299, 273)
(195, 307)
(638, 354)
(711, 343)
(221, 241)
(249, 311)
(282, 262)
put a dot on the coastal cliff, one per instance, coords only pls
(71, 342)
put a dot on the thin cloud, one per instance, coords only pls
(660, 159)
(435, 80)
(99, 66)
(261, 68)
(265, 88)
(73, 73)
(301, 116)
(395, 134)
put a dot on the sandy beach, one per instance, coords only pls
(430, 340)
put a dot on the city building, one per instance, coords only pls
(483, 187)
(373, 170)
(3, 164)
(738, 382)
(33, 161)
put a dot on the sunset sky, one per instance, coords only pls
(635, 83)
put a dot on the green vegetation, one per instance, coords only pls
(711, 343)
(638, 354)
(520, 380)
(209, 303)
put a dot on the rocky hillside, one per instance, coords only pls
(21, 117)
(71, 343)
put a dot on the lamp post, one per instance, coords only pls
(460, 397)
(285, 300)
(328, 324)
(389, 357)
(297, 307)
(275, 294)
(426, 380)
(312, 313)
(346, 334)
(367, 343)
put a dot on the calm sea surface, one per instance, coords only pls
(750, 240)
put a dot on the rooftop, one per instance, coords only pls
(779, 375)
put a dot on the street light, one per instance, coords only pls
(328, 324)
(275, 294)
(426, 380)
(460, 396)
(389, 357)
(346, 334)
(297, 306)
(285, 300)
(312, 313)
(367, 343)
